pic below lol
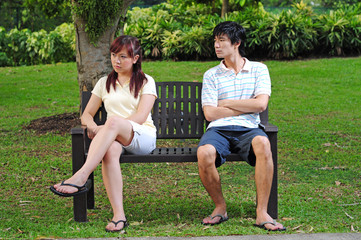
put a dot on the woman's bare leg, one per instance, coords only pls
(115, 128)
(113, 182)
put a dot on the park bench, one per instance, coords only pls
(177, 114)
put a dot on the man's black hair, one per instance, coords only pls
(235, 32)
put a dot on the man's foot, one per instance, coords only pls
(116, 226)
(216, 219)
(270, 226)
(265, 221)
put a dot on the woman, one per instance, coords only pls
(128, 95)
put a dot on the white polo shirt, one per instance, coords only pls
(121, 102)
(221, 83)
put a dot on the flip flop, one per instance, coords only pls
(126, 224)
(274, 223)
(81, 189)
(222, 219)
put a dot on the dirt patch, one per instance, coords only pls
(61, 123)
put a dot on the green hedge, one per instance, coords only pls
(183, 31)
(23, 47)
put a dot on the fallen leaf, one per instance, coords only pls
(295, 228)
(338, 183)
(136, 223)
(193, 174)
(348, 215)
(287, 219)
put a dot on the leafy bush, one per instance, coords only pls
(23, 47)
(340, 31)
(170, 30)
(290, 35)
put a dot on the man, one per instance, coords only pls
(233, 95)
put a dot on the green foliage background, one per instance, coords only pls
(23, 47)
(96, 23)
(170, 31)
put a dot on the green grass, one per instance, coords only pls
(315, 104)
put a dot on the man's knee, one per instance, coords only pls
(206, 155)
(262, 147)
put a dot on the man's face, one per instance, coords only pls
(224, 47)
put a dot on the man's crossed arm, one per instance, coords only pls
(229, 108)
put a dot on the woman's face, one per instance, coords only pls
(122, 63)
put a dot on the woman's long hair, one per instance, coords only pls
(138, 78)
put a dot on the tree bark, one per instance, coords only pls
(93, 61)
(225, 5)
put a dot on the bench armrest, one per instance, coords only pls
(268, 127)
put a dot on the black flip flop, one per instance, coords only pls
(274, 223)
(115, 225)
(81, 189)
(223, 219)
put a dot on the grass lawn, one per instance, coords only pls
(315, 104)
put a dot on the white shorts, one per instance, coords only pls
(144, 140)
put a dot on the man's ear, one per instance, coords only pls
(237, 44)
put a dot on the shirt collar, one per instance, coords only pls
(246, 67)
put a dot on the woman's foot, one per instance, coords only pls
(116, 226)
(59, 189)
(77, 184)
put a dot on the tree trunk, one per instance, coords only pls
(93, 61)
(225, 4)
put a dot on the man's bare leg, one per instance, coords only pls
(211, 181)
(263, 176)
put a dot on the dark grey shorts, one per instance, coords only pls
(232, 139)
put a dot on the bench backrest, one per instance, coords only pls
(177, 112)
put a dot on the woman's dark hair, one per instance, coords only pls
(132, 45)
(235, 32)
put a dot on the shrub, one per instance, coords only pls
(170, 30)
(290, 35)
(23, 47)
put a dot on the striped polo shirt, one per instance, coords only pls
(221, 83)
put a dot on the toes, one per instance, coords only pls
(206, 220)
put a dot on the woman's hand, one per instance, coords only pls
(92, 131)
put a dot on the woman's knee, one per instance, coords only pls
(114, 122)
(113, 153)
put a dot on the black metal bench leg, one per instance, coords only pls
(273, 199)
(79, 202)
(90, 194)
